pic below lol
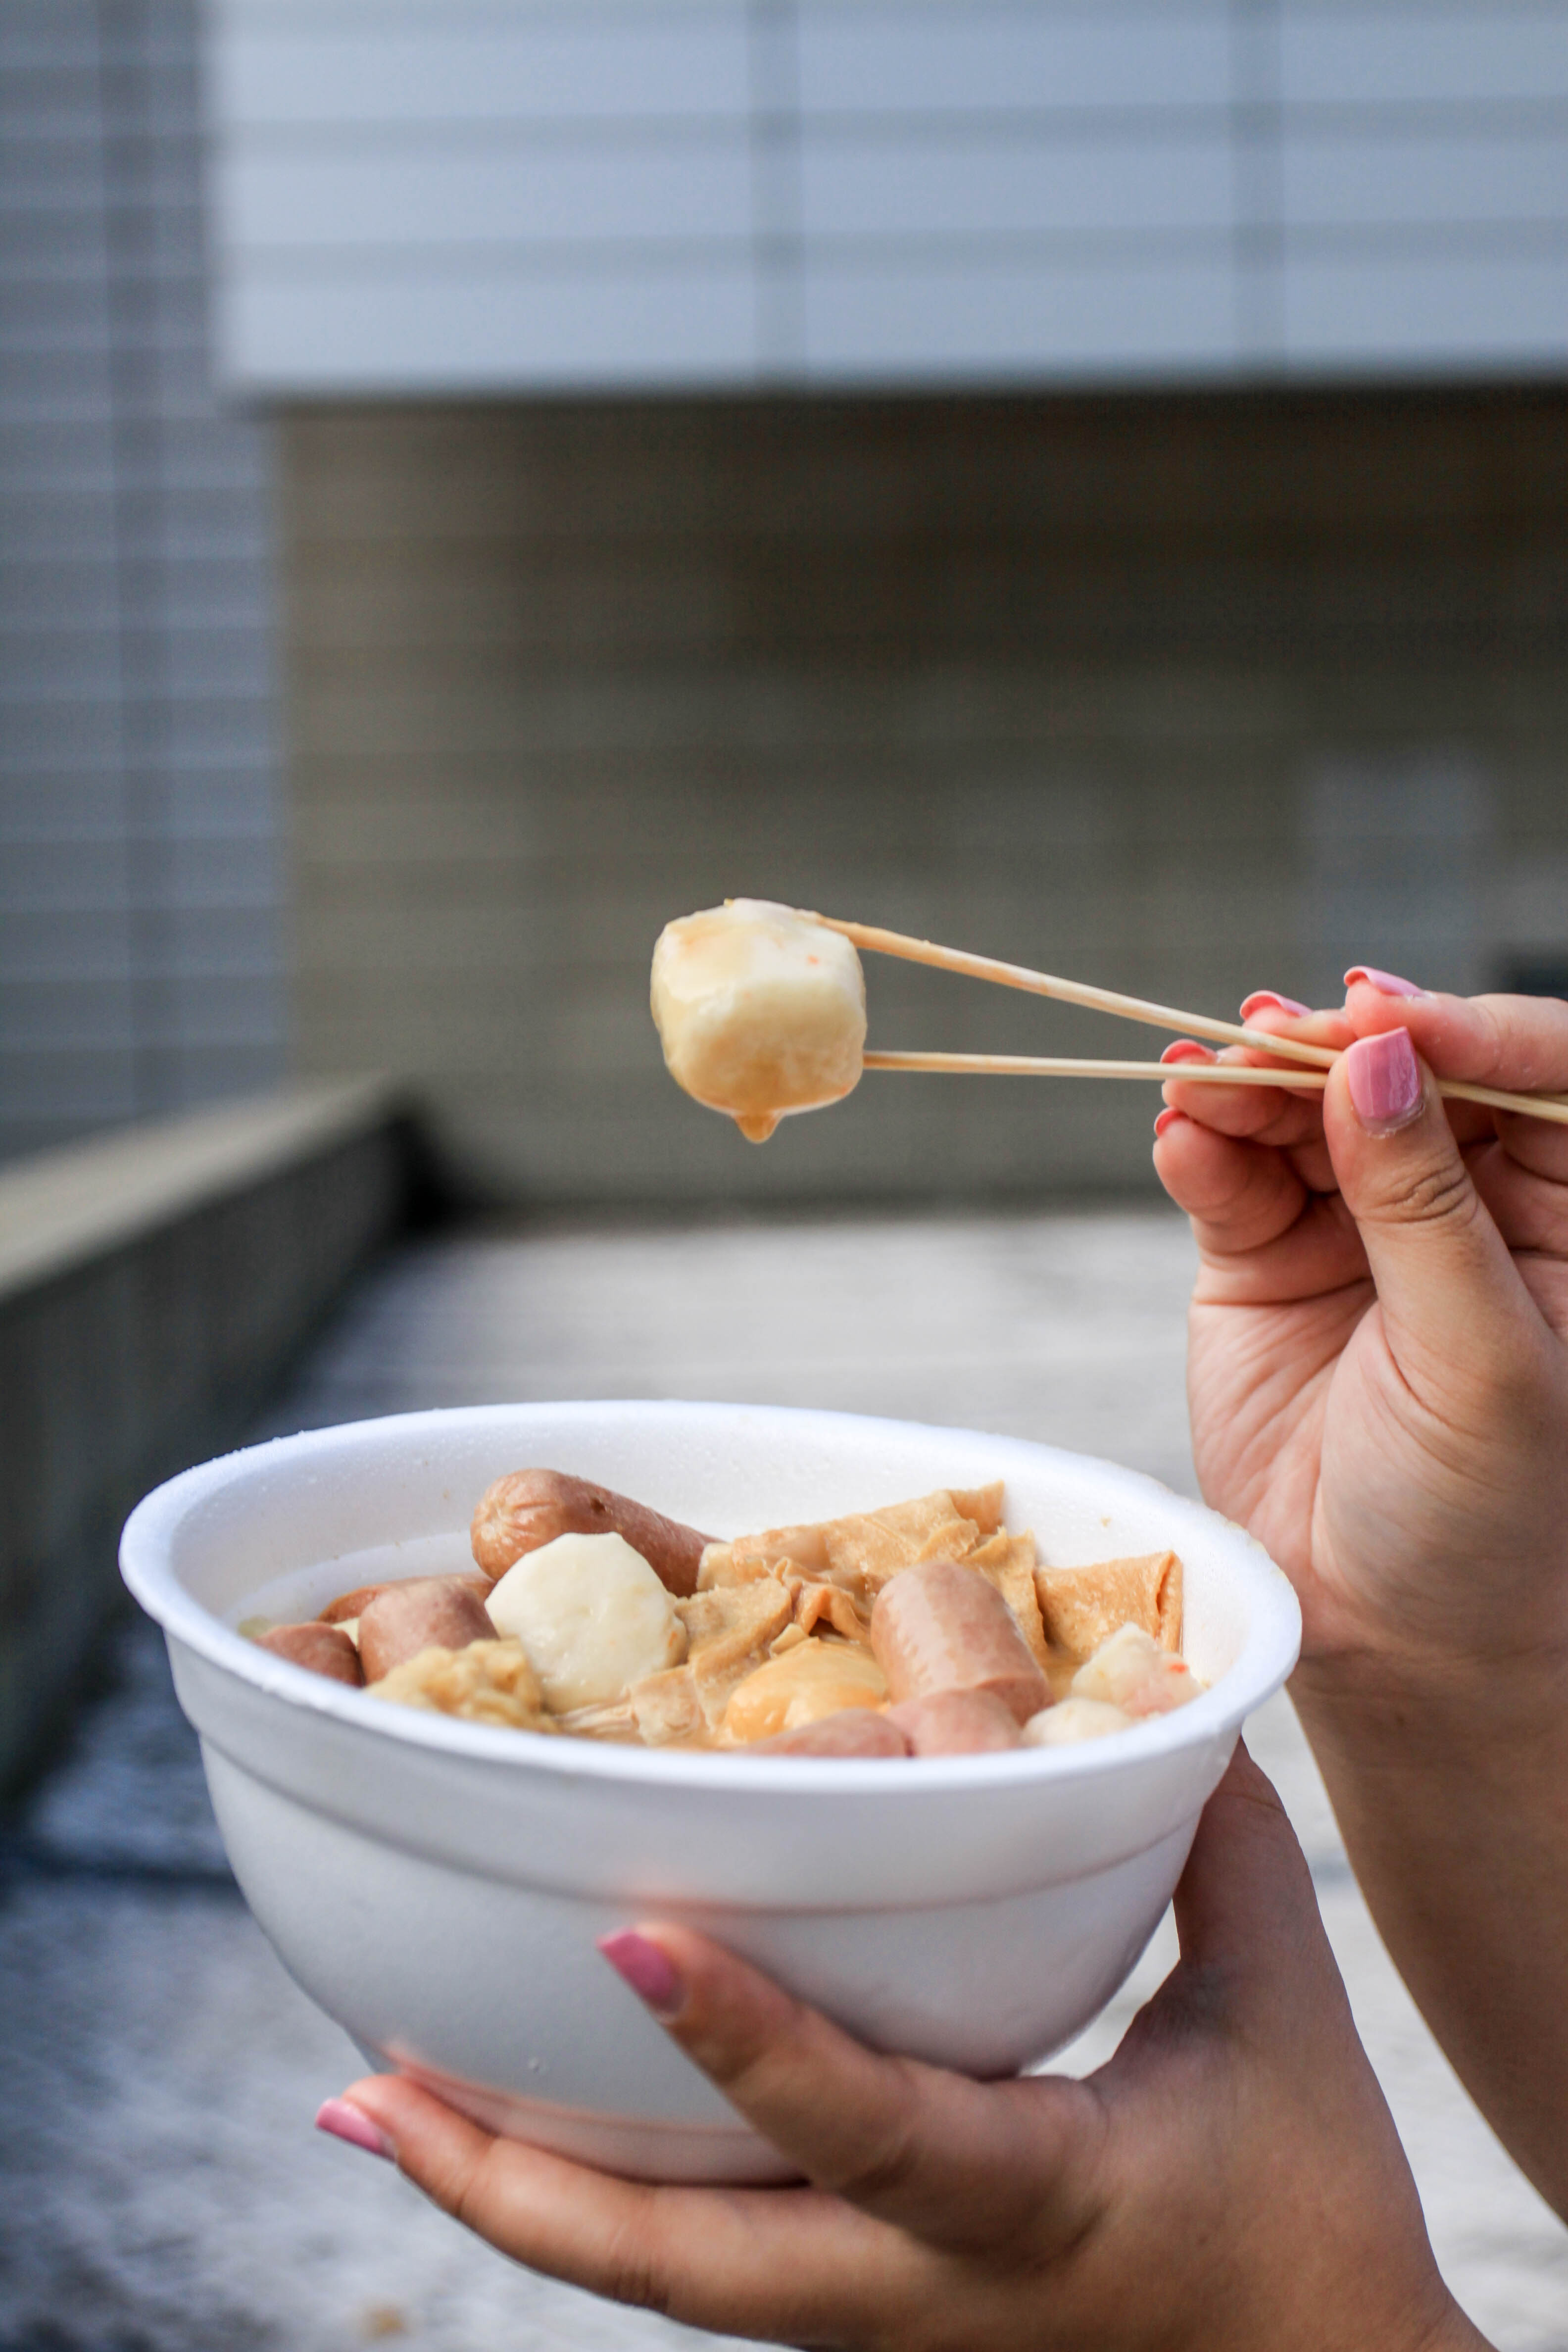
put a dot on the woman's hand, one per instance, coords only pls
(1378, 1372)
(1230, 2180)
(1378, 1378)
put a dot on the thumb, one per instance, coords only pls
(1255, 1961)
(1451, 1297)
(1246, 1904)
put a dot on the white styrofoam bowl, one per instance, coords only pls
(437, 1885)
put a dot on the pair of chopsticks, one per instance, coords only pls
(1309, 1075)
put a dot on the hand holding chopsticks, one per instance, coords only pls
(1134, 1008)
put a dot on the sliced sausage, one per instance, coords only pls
(941, 1627)
(854, 1731)
(425, 1613)
(320, 1649)
(956, 1723)
(531, 1507)
(355, 1603)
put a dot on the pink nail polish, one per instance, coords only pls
(1264, 1000)
(1384, 1081)
(1167, 1118)
(350, 2123)
(1387, 984)
(651, 1975)
(1185, 1050)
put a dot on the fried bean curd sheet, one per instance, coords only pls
(730, 1631)
(1081, 1607)
(857, 1554)
(1008, 1562)
(488, 1682)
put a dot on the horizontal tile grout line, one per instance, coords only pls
(1072, 251)
(1219, 116)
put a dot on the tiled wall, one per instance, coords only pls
(139, 892)
(418, 195)
(1185, 695)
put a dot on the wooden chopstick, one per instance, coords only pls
(1212, 1074)
(1037, 1066)
(1073, 991)
(1129, 1008)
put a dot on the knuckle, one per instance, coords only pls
(463, 2191)
(1438, 1196)
(889, 2160)
(1494, 1040)
(632, 2272)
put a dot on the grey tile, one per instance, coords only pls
(61, 806)
(76, 1015)
(49, 669)
(64, 969)
(214, 950)
(54, 1091)
(227, 870)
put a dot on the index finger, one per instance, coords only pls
(957, 2163)
(1517, 1043)
(788, 2263)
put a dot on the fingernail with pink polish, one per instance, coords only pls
(1185, 1050)
(651, 1976)
(1384, 1081)
(1266, 999)
(1167, 1118)
(350, 2123)
(1387, 984)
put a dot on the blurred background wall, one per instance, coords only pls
(141, 961)
(1185, 694)
(1084, 482)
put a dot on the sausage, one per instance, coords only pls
(941, 1627)
(320, 1649)
(531, 1507)
(956, 1723)
(355, 1603)
(854, 1731)
(427, 1613)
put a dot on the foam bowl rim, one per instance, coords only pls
(1267, 1656)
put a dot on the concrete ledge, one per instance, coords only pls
(154, 1284)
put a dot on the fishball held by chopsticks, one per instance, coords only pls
(761, 1012)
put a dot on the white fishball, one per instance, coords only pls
(1072, 1720)
(593, 1617)
(1133, 1671)
(760, 1010)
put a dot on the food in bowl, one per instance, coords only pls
(921, 1628)
(760, 1010)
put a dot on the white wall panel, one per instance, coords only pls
(482, 330)
(1018, 324)
(935, 58)
(576, 193)
(1421, 54)
(419, 195)
(1422, 179)
(1006, 184)
(1410, 314)
(456, 63)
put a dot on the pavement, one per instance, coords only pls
(161, 2187)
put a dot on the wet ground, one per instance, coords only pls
(161, 2189)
